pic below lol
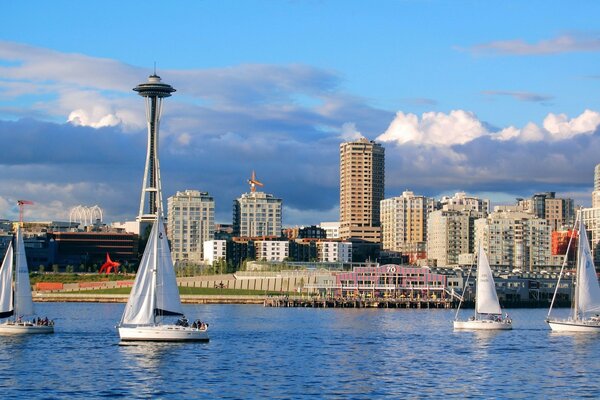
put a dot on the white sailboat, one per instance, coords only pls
(585, 315)
(155, 296)
(16, 303)
(488, 314)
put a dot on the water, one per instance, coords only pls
(258, 352)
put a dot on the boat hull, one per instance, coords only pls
(574, 326)
(24, 329)
(162, 333)
(483, 325)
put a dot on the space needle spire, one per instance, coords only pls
(153, 91)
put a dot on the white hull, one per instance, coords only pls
(24, 328)
(482, 324)
(574, 326)
(162, 333)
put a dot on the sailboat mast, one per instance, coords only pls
(16, 273)
(562, 268)
(577, 273)
(462, 297)
(155, 269)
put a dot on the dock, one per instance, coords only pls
(343, 302)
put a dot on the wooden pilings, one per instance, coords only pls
(342, 302)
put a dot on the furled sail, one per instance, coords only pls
(23, 300)
(6, 292)
(487, 299)
(588, 290)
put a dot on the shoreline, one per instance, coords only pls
(122, 298)
(237, 299)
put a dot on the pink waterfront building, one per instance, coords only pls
(391, 281)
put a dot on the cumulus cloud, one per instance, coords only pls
(559, 126)
(349, 132)
(460, 127)
(436, 129)
(561, 44)
(555, 127)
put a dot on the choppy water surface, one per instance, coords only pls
(258, 352)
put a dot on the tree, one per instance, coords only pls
(41, 269)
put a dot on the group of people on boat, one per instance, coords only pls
(36, 321)
(495, 318)
(43, 321)
(197, 324)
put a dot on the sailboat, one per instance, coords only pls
(585, 315)
(488, 314)
(17, 303)
(155, 297)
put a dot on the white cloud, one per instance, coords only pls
(560, 127)
(81, 117)
(436, 129)
(460, 127)
(184, 139)
(349, 132)
(554, 127)
(557, 45)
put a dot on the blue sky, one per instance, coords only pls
(493, 98)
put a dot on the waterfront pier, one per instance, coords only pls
(350, 302)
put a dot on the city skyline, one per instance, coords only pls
(499, 110)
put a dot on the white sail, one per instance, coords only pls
(140, 305)
(23, 300)
(6, 292)
(154, 291)
(486, 299)
(588, 290)
(168, 301)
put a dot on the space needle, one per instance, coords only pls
(153, 91)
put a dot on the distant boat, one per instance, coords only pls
(488, 314)
(155, 297)
(585, 315)
(17, 304)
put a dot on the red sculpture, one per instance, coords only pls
(109, 266)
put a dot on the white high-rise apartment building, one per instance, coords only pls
(515, 239)
(215, 250)
(257, 214)
(591, 219)
(362, 180)
(191, 222)
(450, 233)
(461, 201)
(332, 229)
(334, 251)
(596, 192)
(272, 250)
(404, 221)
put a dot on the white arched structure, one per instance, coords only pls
(85, 215)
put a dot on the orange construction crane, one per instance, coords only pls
(21, 204)
(253, 182)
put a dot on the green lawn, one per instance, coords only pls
(193, 290)
(36, 277)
